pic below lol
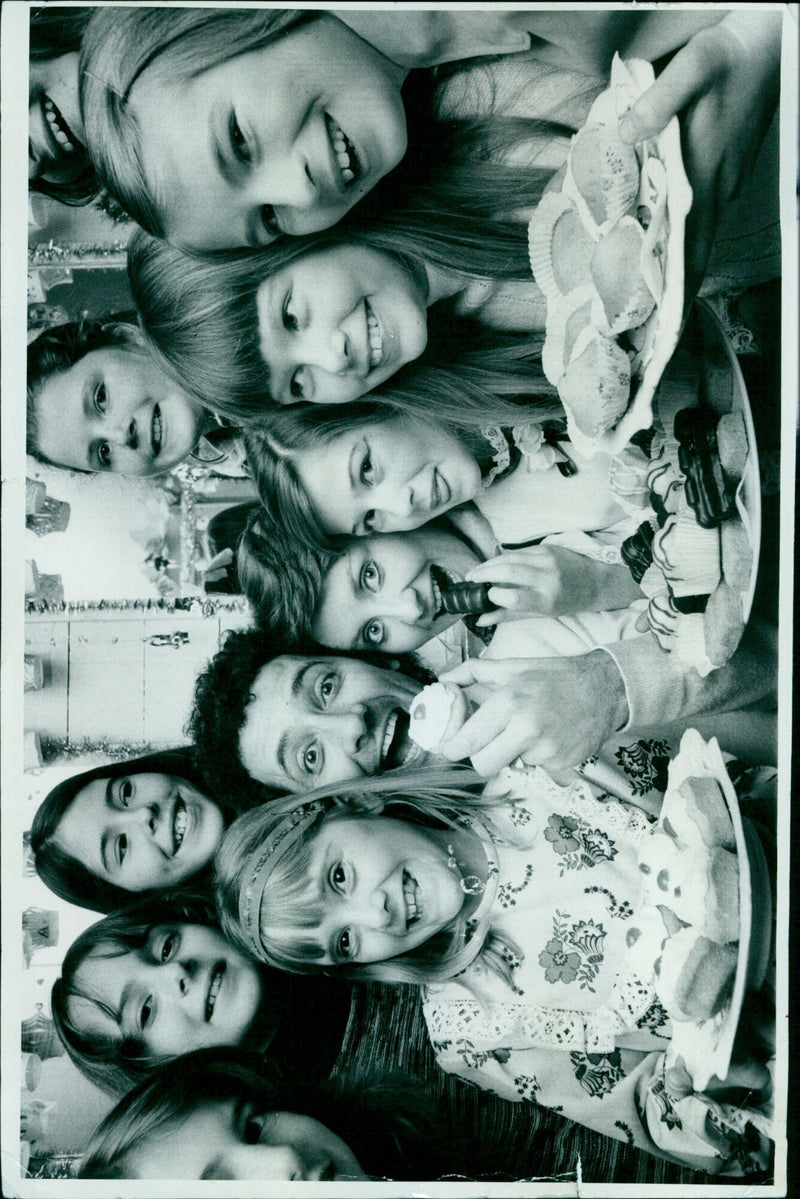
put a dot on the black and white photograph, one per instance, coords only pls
(373, 824)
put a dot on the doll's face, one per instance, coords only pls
(384, 594)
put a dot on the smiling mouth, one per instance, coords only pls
(440, 491)
(59, 127)
(397, 749)
(412, 900)
(180, 819)
(157, 430)
(213, 989)
(441, 581)
(374, 337)
(344, 152)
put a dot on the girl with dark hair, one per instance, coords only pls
(104, 835)
(158, 979)
(58, 165)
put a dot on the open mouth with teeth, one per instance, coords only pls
(344, 152)
(213, 988)
(374, 337)
(59, 128)
(157, 430)
(412, 900)
(397, 749)
(180, 819)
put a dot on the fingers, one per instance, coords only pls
(486, 671)
(690, 73)
(480, 730)
(504, 749)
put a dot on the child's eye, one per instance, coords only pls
(125, 792)
(344, 945)
(101, 397)
(370, 576)
(311, 759)
(122, 848)
(146, 1012)
(239, 141)
(374, 633)
(165, 948)
(366, 472)
(269, 220)
(252, 1126)
(290, 320)
(296, 388)
(338, 876)
(369, 523)
(104, 455)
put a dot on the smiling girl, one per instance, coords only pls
(158, 979)
(347, 472)
(536, 984)
(104, 835)
(58, 165)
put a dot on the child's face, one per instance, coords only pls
(141, 832)
(383, 593)
(55, 128)
(320, 721)
(285, 139)
(337, 322)
(115, 410)
(230, 1140)
(385, 887)
(186, 988)
(387, 477)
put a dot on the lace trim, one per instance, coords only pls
(497, 1025)
(577, 797)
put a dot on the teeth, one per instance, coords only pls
(344, 151)
(375, 338)
(413, 908)
(55, 124)
(179, 825)
(157, 430)
(213, 990)
(391, 725)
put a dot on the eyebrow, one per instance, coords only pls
(283, 744)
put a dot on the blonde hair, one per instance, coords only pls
(288, 895)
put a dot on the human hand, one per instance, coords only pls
(555, 711)
(724, 84)
(545, 580)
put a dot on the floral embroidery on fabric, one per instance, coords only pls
(623, 911)
(623, 1127)
(507, 891)
(475, 1059)
(519, 816)
(563, 966)
(527, 1087)
(645, 763)
(578, 843)
(654, 1018)
(598, 1073)
(749, 1149)
(666, 1108)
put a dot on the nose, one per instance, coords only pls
(122, 431)
(273, 1163)
(284, 183)
(349, 729)
(155, 824)
(369, 909)
(400, 505)
(328, 349)
(406, 606)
